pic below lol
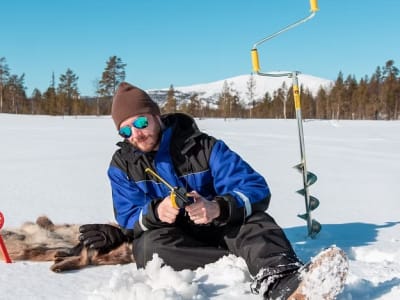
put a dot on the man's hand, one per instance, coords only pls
(103, 237)
(202, 211)
(166, 212)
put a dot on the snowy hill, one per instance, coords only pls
(57, 166)
(209, 92)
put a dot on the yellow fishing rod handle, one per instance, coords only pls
(254, 60)
(314, 5)
(173, 200)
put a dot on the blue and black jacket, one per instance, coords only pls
(186, 158)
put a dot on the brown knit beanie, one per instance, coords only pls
(129, 101)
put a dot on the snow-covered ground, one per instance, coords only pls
(57, 166)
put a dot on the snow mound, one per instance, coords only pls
(160, 282)
(156, 281)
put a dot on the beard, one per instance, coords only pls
(147, 142)
(148, 139)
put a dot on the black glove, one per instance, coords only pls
(102, 237)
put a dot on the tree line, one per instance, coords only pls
(370, 98)
(62, 98)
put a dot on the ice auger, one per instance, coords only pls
(179, 196)
(309, 178)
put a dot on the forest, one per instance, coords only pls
(374, 97)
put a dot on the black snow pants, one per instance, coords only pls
(259, 241)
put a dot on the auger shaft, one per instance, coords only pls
(313, 226)
(303, 164)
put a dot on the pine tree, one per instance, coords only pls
(268, 107)
(251, 90)
(50, 104)
(307, 103)
(321, 104)
(336, 97)
(375, 94)
(15, 91)
(194, 106)
(350, 88)
(4, 75)
(36, 101)
(283, 96)
(227, 101)
(68, 92)
(360, 101)
(276, 107)
(113, 75)
(171, 104)
(390, 92)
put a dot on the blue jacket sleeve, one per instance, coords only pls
(124, 194)
(241, 190)
(133, 210)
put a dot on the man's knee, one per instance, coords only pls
(147, 245)
(177, 249)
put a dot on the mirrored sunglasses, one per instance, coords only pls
(140, 123)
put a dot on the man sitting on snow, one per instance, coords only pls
(223, 212)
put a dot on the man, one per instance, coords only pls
(228, 198)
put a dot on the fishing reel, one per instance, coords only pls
(179, 195)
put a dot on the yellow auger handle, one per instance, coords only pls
(314, 5)
(254, 60)
(296, 96)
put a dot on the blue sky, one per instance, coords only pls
(186, 42)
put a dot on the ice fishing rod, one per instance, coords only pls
(309, 178)
(179, 196)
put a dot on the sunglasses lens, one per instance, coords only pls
(125, 132)
(141, 123)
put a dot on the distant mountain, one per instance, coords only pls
(209, 92)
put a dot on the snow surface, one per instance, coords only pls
(57, 166)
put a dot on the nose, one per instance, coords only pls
(136, 131)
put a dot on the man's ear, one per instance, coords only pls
(162, 126)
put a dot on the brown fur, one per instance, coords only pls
(44, 241)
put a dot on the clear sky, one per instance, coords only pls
(186, 42)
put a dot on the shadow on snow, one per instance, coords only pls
(346, 236)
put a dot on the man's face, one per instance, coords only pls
(145, 131)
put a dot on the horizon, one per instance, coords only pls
(183, 45)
